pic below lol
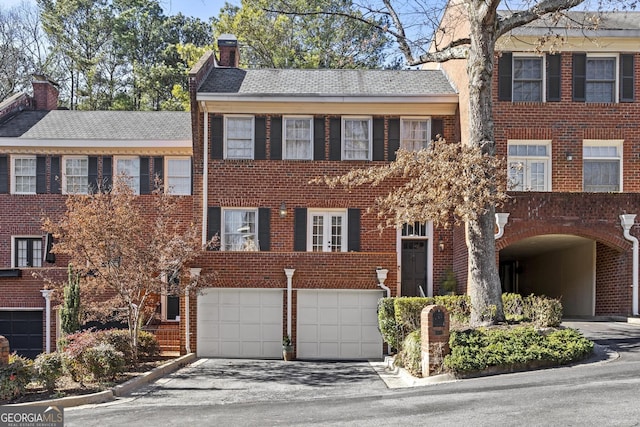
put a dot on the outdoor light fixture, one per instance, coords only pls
(283, 210)
(441, 245)
(569, 156)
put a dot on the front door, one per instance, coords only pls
(414, 268)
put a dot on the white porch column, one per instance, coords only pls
(46, 294)
(289, 273)
(627, 221)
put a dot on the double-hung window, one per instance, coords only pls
(527, 78)
(128, 168)
(298, 138)
(75, 179)
(356, 138)
(23, 177)
(28, 252)
(528, 163)
(239, 134)
(178, 175)
(327, 231)
(239, 230)
(600, 83)
(414, 133)
(602, 166)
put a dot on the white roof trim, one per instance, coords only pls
(93, 143)
(400, 99)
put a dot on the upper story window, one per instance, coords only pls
(415, 133)
(23, 176)
(298, 138)
(356, 138)
(603, 77)
(600, 79)
(178, 175)
(529, 163)
(327, 231)
(27, 252)
(239, 134)
(527, 78)
(129, 168)
(602, 166)
(75, 179)
(239, 230)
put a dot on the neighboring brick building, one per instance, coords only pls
(569, 125)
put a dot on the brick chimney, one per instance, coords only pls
(229, 51)
(45, 93)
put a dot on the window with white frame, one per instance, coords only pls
(298, 138)
(415, 133)
(239, 133)
(602, 166)
(416, 229)
(178, 175)
(600, 85)
(356, 138)
(529, 163)
(527, 78)
(129, 169)
(239, 230)
(27, 252)
(327, 231)
(23, 176)
(75, 179)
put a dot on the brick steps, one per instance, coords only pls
(168, 336)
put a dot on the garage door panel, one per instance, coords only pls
(327, 350)
(350, 300)
(310, 332)
(307, 315)
(328, 299)
(350, 333)
(351, 315)
(271, 312)
(229, 314)
(328, 316)
(329, 333)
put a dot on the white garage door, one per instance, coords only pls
(243, 323)
(338, 325)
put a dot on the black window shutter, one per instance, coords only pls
(318, 139)
(353, 232)
(217, 137)
(158, 172)
(437, 128)
(264, 229)
(505, 75)
(260, 140)
(335, 142)
(627, 79)
(300, 229)
(554, 78)
(276, 138)
(48, 245)
(579, 76)
(378, 139)
(4, 174)
(107, 173)
(56, 178)
(93, 174)
(41, 174)
(394, 138)
(214, 222)
(145, 187)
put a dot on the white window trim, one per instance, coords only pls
(284, 136)
(524, 55)
(616, 74)
(13, 172)
(165, 178)
(13, 249)
(342, 136)
(223, 237)
(63, 172)
(425, 118)
(253, 135)
(327, 228)
(619, 143)
(547, 179)
(116, 172)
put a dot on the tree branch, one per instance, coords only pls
(400, 37)
(456, 50)
(524, 17)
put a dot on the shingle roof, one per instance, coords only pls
(17, 124)
(272, 82)
(105, 125)
(605, 23)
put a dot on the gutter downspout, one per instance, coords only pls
(501, 221)
(46, 294)
(205, 174)
(627, 221)
(289, 273)
(382, 276)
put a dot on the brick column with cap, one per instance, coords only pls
(4, 351)
(434, 334)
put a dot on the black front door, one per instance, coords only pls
(173, 307)
(414, 268)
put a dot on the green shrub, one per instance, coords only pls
(104, 361)
(14, 377)
(543, 311)
(148, 346)
(387, 322)
(74, 347)
(513, 305)
(411, 354)
(48, 367)
(458, 306)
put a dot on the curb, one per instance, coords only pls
(120, 389)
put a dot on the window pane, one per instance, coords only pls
(25, 175)
(77, 175)
(297, 139)
(317, 233)
(528, 167)
(239, 230)
(36, 253)
(179, 176)
(537, 176)
(600, 81)
(527, 79)
(356, 139)
(23, 260)
(415, 134)
(601, 175)
(336, 234)
(516, 176)
(239, 137)
(130, 170)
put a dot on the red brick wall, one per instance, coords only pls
(45, 95)
(613, 281)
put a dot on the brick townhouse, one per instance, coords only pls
(45, 154)
(569, 124)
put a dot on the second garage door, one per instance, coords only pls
(338, 324)
(244, 323)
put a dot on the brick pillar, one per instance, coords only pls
(434, 334)
(4, 351)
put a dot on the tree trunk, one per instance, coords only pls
(483, 282)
